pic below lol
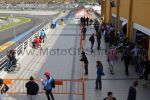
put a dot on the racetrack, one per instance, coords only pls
(36, 20)
(6, 35)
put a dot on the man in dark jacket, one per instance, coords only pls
(146, 66)
(132, 91)
(126, 57)
(98, 35)
(85, 60)
(92, 40)
(84, 32)
(32, 89)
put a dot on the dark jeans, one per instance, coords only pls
(83, 36)
(86, 69)
(126, 67)
(48, 94)
(92, 44)
(98, 82)
(99, 43)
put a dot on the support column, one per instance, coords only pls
(149, 49)
(103, 10)
(130, 24)
(110, 13)
(117, 16)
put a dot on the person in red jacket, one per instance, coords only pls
(37, 42)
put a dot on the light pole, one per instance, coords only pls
(12, 19)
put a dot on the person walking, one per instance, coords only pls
(111, 58)
(92, 40)
(84, 32)
(85, 60)
(110, 96)
(132, 91)
(42, 36)
(48, 85)
(100, 73)
(32, 89)
(126, 57)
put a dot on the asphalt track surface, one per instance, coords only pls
(6, 35)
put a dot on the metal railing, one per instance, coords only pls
(27, 44)
(17, 86)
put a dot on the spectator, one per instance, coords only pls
(99, 75)
(96, 25)
(112, 57)
(92, 40)
(91, 21)
(11, 57)
(37, 42)
(135, 53)
(32, 89)
(132, 91)
(1, 85)
(87, 21)
(146, 66)
(47, 85)
(126, 57)
(98, 35)
(53, 24)
(42, 36)
(84, 32)
(110, 96)
(85, 60)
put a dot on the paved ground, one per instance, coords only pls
(63, 64)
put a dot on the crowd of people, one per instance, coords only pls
(33, 88)
(39, 39)
(116, 44)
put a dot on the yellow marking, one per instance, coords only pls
(6, 45)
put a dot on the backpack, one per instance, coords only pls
(53, 83)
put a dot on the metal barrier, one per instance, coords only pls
(17, 86)
(25, 45)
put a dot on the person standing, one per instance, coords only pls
(98, 35)
(84, 32)
(146, 66)
(96, 25)
(42, 36)
(32, 89)
(85, 60)
(110, 96)
(132, 91)
(126, 57)
(1, 86)
(92, 40)
(87, 21)
(48, 85)
(112, 57)
(100, 73)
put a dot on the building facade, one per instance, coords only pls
(131, 17)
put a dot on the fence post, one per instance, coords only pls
(83, 95)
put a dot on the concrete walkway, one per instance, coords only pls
(60, 56)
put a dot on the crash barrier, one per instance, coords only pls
(74, 87)
(26, 45)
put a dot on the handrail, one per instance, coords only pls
(4, 59)
(17, 86)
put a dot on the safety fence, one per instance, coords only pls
(27, 44)
(17, 86)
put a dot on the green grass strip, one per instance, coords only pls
(22, 21)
